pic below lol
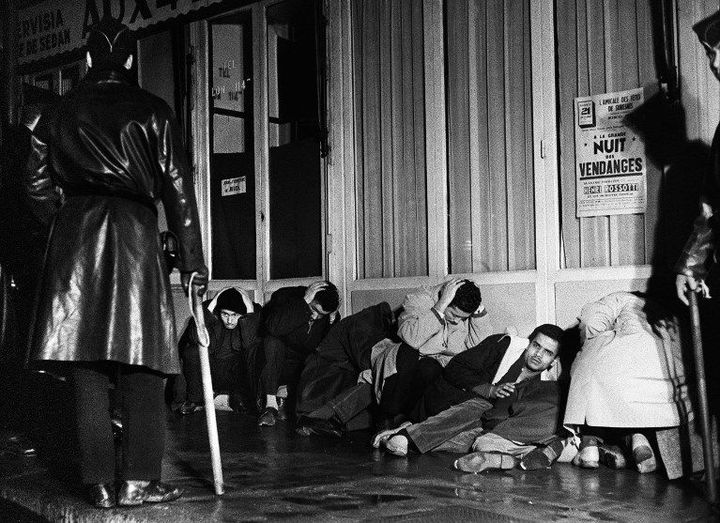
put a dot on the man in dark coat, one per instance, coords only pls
(232, 320)
(332, 396)
(693, 266)
(100, 161)
(296, 319)
(22, 244)
(490, 382)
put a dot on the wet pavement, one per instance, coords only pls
(273, 474)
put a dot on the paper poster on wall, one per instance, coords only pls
(233, 186)
(610, 157)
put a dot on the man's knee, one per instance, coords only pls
(428, 369)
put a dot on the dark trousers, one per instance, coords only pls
(453, 430)
(228, 375)
(16, 387)
(283, 365)
(140, 393)
(350, 407)
(404, 389)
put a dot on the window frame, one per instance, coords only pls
(199, 36)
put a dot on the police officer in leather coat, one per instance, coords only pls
(101, 158)
(693, 266)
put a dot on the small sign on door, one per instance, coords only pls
(233, 186)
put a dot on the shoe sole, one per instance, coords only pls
(584, 463)
(399, 450)
(134, 503)
(478, 462)
(612, 458)
(396, 451)
(644, 459)
(164, 499)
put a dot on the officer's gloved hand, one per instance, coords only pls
(199, 283)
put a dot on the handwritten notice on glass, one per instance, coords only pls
(233, 186)
(228, 69)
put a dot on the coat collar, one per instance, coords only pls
(110, 75)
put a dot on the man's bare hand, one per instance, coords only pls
(448, 293)
(684, 284)
(313, 289)
(199, 282)
(502, 391)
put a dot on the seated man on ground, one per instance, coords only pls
(626, 382)
(332, 395)
(436, 324)
(512, 404)
(232, 321)
(296, 319)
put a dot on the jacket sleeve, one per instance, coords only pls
(250, 329)
(178, 195)
(284, 316)
(475, 367)
(419, 321)
(189, 336)
(479, 328)
(40, 191)
(696, 254)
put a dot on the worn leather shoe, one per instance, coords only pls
(268, 417)
(643, 454)
(476, 462)
(158, 492)
(18, 444)
(587, 458)
(131, 494)
(282, 413)
(320, 427)
(102, 495)
(612, 456)
(190, 407)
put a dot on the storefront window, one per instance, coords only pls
(295, 191)
(232, 169)
(391, 174)
(490, 142)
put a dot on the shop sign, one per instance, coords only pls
(55, 26)
(610, 159)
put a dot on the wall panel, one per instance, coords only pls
(612, 51)
(490, 143)
(511, 306)
(391, 181)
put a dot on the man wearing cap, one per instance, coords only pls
(693, 266)
(232, 321)
(101, 158)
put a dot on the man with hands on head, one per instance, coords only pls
(295, 320)
(435, 324)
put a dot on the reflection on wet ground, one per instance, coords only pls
(274, 474)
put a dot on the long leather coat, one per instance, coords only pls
(696, 258)
(100, 161)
